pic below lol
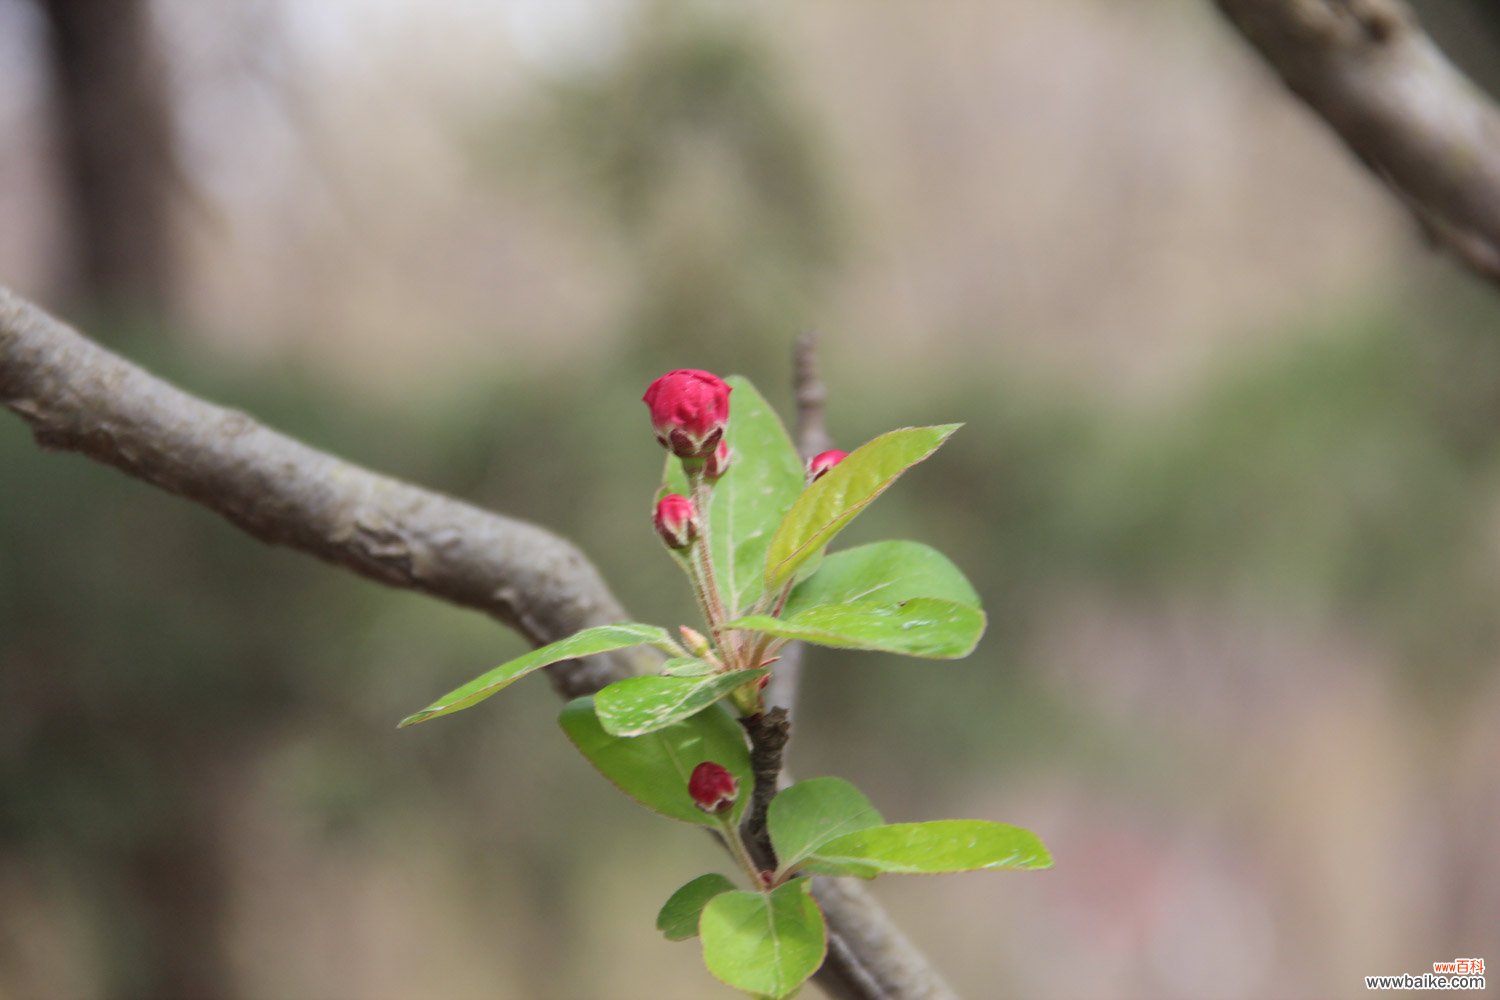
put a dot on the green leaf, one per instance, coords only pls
(826, 506)
(687, 666)
(639, 705)
(654, 769)
(948, 845)
(923, 626)
(886, 572)
(764, 944)
(812, 812)
(678, 918)
(765, 475)
(600, 639)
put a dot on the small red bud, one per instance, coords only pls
(713, 788)
(676, 521)
(717, 463)
(689, 409)
(821, 463)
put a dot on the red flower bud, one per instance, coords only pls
(713, 788)
(718, 462)
(676, 521)
(689, 409)
(821, 463)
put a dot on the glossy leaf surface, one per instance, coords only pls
(639, 705)
(678, 918)
(654, 769)
(936, 847)
(882, 572)
(811, 813)
(829, 504)
(923, 626)
(764, 944)
(600, 639)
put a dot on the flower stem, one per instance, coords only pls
(736, 847)
(712, 600)
(762, 645)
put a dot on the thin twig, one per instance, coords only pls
(812, 397)
(812, 439)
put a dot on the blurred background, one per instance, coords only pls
(1230, 485)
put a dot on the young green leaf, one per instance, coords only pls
(678, 918)
(765, 475)
(764, 944)
(948, 845)
(600, 639)
(654, 769)
(826, 506)
(687, 666)
(810, 813)
(922, 626)
(885, 572)
(639, 705)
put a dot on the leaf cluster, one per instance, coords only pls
(764, 578)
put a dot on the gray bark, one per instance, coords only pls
(1367, 68)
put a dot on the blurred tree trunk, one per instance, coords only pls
(114, 122)
(178, 876)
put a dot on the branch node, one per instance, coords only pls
(768, 732)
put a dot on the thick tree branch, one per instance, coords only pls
(1419, 124)
(859, 931)
(78, 396)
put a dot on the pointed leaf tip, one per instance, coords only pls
(825, 507)
(678, 918)
(599, 639)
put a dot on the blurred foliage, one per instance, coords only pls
(707, 166)
(1340, 476)
(1345, 476)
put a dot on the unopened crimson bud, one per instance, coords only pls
(689, 409)
(713, 788)
(824, 461)
(676, 521)
(718, 462)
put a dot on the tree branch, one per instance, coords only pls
(812, 396)
(868, 957)
(1367, 68)
(768, 734)
(80, 397)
